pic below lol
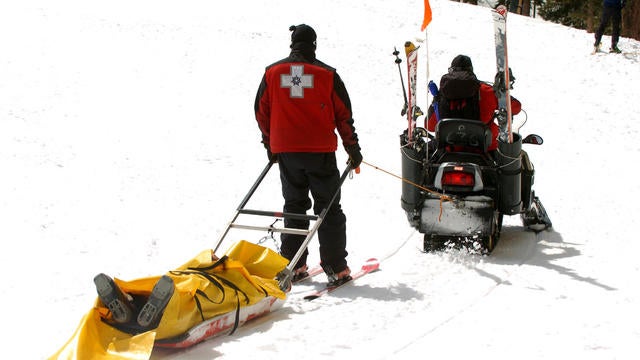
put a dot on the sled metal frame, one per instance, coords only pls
(284, 278)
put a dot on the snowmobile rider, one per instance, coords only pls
(462, 95)
(300, 103)
(467, 98)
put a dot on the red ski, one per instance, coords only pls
(369, 266)
(313, 271)
(413, 111)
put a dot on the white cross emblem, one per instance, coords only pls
(296, 81)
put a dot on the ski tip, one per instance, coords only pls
(409, 47)
(311, 297)
(371, 264)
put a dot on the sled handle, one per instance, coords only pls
(255, 185)
(244, 202)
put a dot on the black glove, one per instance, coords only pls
(272, 157)
(355, 157)
(623, 3)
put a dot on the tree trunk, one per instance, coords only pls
(630, 23)
(526, 8)
(592, 14)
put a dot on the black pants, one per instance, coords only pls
(301, 173)
(610, 14)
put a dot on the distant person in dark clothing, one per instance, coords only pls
(611, 12)
(300, 104)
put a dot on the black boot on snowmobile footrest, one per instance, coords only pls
(152, 311)
(536, 218)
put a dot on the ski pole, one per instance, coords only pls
(404, 90)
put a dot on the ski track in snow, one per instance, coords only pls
(527, 253)
(514, 249)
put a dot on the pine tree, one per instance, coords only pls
(580, 14)
(585, 14)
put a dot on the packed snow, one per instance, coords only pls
(128, 139)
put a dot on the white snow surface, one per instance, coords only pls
(128, 139)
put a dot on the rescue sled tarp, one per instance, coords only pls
(205, 287)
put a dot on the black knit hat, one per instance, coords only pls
(461, 63)
(302, 33)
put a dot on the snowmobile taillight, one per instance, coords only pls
(459, 177)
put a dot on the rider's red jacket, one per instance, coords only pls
(488, 105)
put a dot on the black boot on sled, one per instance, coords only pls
(152, 311)
(119, 303)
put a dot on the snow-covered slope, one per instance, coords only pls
(127, 139)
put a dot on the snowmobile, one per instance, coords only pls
(456, 192)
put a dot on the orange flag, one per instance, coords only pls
(427, 15)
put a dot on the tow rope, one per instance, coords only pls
(442, 197)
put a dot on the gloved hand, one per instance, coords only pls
(355, 157)
(623, 3)
(272, 157)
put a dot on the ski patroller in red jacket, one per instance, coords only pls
(300, 104)
(488, 105)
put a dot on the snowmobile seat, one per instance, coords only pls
(463, 135)
(462, 140)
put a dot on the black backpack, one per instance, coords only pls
(459, 96)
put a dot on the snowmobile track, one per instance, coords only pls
(525, 252)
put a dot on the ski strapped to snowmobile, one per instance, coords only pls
(285, 277)
(413, 110)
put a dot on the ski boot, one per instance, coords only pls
(339, 278)
(152, 311)
(119, 303)
(300, 273)
(614, 49)
(597, 47)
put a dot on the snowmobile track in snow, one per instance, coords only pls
(524, 252)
